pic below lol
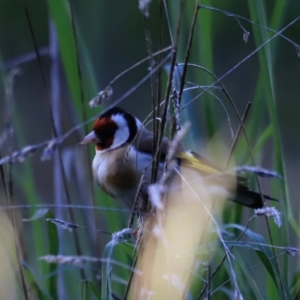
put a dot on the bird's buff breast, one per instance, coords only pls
(118, 174)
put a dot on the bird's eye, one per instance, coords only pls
(109, 130)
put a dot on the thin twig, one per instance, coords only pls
(138, 63)
(168, 22)
(237, 135)
(188, 50)
(135, 203)
(16, 62)
(247, 268)
(236, 16)
(224, 90)
(218, 99)
(223, 259)
(66, 206)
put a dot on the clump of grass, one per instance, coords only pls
(190, 247)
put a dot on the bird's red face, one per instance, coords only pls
(112, 129)
(105, 129)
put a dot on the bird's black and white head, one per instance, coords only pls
(114, 128)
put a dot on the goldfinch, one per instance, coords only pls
(124, 154)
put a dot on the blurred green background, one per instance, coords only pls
(111, 38)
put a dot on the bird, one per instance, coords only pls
(124, 154)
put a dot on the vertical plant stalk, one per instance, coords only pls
(55, 87)
(209, 277)
(163, 120)
(9, 188)
(54, 131)
(167, 94)
(156, 106)
(188, 49)
(83, 106)
(61, 180)
(156, 100)
(238, 133)
(8, 126)
(258, 11)
(3, 180)
(152, 77)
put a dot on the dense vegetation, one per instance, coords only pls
(212, 58)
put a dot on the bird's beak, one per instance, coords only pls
(91, 137)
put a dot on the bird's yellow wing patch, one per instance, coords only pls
(196, 163)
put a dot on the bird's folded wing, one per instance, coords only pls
(197, 163)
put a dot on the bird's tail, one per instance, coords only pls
(249, 198)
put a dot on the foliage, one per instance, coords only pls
(202, 62)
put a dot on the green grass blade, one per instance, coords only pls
(33, 281)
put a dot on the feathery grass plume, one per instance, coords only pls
(19, 156)
(69, 259)
(63, 224)
(269, 212)
(80, 260)
(246, 35)
(25, 152)
(37, 215)
(155, 192)
(118, 236)
(144, 7)
(102, 95)
(176, 104)
(49, 150)
(293, 251)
